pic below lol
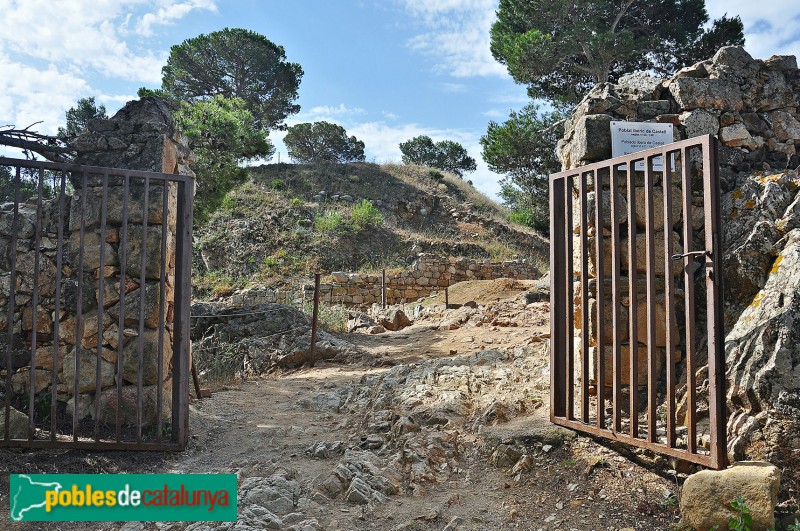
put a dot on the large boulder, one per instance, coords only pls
(395, 319)
(707, 496)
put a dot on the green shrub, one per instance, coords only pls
(330, 222)
(530, 218)
(365, 215)
(277, 184)
(435, 174)
(228, 202)
(295, 202)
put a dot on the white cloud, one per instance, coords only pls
(453, 87)
(49, 51)
(29, 95)
(338, 110)
(495, 114)
(456, 33)
(770, 27)
(390, 116)
(167, 14)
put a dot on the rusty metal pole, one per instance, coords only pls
(383, 288)
(314, 320)
(446, 298)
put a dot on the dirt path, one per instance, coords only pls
(448, 431)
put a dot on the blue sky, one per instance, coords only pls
(386, 70)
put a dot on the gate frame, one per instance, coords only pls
(181, 341)
(562, 356)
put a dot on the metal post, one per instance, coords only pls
(383, 288)
(446, 298)
(314, 320)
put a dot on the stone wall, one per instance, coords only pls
(140, 136)
(751, 106)
(428, 273)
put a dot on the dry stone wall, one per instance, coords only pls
(429, 273)
(140, 136)
(752, 107)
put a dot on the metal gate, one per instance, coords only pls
(94, 306)
(647, 372)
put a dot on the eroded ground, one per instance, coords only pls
(445, 428)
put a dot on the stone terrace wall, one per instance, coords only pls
(429, 273)
(140, 136)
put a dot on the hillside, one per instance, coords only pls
(289, 220)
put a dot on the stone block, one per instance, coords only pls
(660, 321)
(736, 135)
(18, 424)
(44, 356)
(607, 328)
(625, 363)
(44, 322)
(87, 365)
(130, 358)
(591, 139)
(151, 248)
(658, 207)
(700, 122)
(152, 298)
(693, 93)
(127, 405)
(21, 380)
(641, 253)
(91, 251)
(706, 496)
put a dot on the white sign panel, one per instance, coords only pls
(630, 137)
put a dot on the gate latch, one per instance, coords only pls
(694, 254)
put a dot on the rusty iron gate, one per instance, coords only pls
(645, 374)
(94, 307)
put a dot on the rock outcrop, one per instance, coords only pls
(259, 338)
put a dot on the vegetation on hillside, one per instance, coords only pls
(289, 220)
(310, 143)
(445, 155)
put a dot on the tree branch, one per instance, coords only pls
(50, 147)
(620, 15)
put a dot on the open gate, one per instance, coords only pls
(636, 348)
(94, 306)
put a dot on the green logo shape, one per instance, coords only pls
(122, 497)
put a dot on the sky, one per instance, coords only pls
(386, 70)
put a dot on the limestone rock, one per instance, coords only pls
(127, 404)
(699, 122)
(622, 210)
(592, 140)
(762, 351)
(130, 358)
(18, 424)
(395, 319)
(691, 93)
(706, 496)
(151, 248)
(658, 207)
(87, 371)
